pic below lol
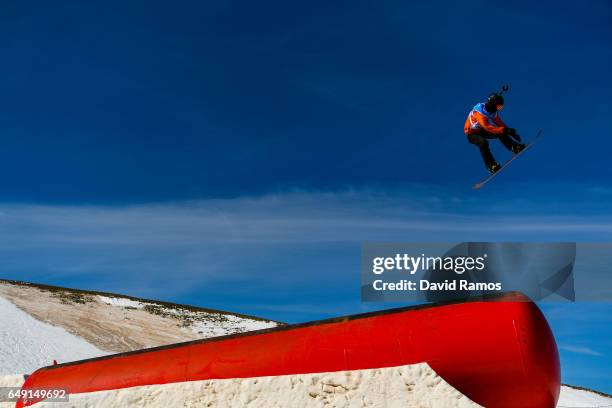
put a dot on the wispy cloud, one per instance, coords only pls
(266, 240)
(295, 217)
(581, 350)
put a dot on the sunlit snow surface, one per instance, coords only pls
(27, 344)
(418, 384)
(120, 302)
(575, 398)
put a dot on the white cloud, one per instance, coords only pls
(245, 239)
(295, 217)
(581, 350)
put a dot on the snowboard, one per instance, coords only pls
(492, 176)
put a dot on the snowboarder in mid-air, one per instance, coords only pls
(484, 123)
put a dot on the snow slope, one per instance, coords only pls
(116, 323)
(27, 344)
(578, 398)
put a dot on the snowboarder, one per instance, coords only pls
(484, 123)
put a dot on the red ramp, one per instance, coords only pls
(499, 352)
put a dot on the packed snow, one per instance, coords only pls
(231, 324)
(14, 380)
(121, 302)
(405, 386)
(571, 397)
(27, 344)
(340, 389)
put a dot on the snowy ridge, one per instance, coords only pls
(576, 397)
(40, 324)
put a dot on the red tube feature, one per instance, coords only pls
(499, 352)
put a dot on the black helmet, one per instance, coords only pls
(493, 101)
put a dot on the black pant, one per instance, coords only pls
(481, 140)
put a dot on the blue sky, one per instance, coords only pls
(235, 155)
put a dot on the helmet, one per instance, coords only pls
(495, 99)
(495, 102)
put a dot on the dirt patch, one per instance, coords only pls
(117, 324)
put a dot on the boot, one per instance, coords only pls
(517, 148)
(493, 167)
